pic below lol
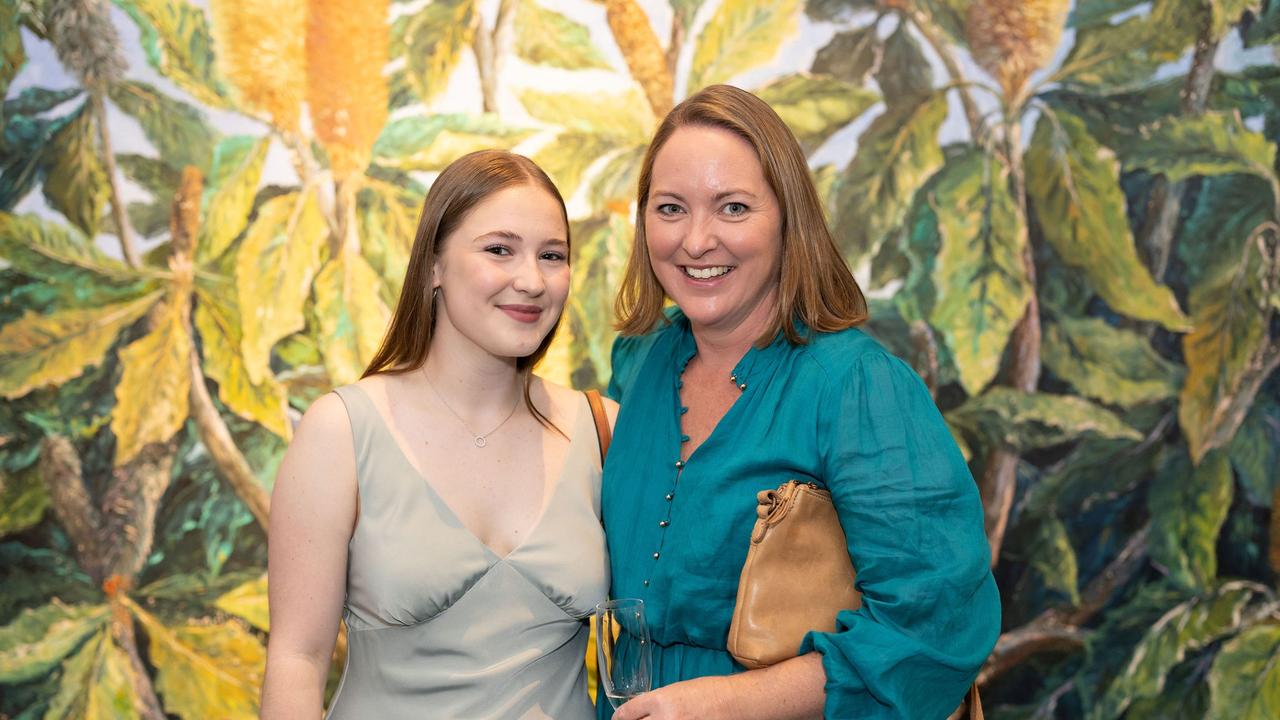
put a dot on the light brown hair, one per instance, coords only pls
(463, 185)
(815, 285)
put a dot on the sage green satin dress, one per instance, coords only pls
(439, 626)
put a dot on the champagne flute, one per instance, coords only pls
(623, 650)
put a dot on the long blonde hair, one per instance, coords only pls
(815, 285)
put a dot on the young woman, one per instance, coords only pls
(446, 506)
(760, 375)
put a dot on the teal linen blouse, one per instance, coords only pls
(841, 412)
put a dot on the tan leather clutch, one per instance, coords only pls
(797, 576)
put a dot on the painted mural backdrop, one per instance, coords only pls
(1066, 213)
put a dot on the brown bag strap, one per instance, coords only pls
(975, 703)
(603, 433)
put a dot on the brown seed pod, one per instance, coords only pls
(642, 51)
(1011, 39)
(346, 90)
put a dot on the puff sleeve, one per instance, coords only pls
(914, 526)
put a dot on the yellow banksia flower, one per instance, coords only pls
(1011, 39)
(261, 48)
(346, 90)
(642, 51)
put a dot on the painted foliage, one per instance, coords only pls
(1066, 213)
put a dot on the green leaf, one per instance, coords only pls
(686, 10)
(904, 73)
(1228, 354)
(1097, 470)
(1073, 184)
(545, 37)
(37, 640)
(1035, 420)
(614, 188)
(1227, 209)
(30, 576)
(432, 40)
(1109, 55)
(1091, 13)
(624, 117)
(351, 319)
(850, 55)
(896, 155)
(218, 320)
(741, 35)
(1114, 366)
(1265, 29)
(1188, 506)
(389, 226)
(275, 265)
(1244, 682)
(49, 349)
(1255, 452)
(23, 500)
(980, 275)
(177, 130)
(97, 684)
(431, 143)
(36, 100)
(48, 251)
(177, 43)
(599, 255)
(157, 176)
(151, 398)
(1215, 143)
(248, 601)
(1052, 557)
(1186, 627)
(229, 193)
(12, 55)
(147, 219)
(815, 106)
(567, 158)
(76, 183)
(205, 670)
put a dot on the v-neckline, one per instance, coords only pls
(549, 493)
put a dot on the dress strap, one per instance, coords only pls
(603, 433)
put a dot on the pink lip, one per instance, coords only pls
(522, 313)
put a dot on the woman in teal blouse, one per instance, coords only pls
(758, 376)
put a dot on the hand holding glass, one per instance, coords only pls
(623, 650)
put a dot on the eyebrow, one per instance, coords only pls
(718, 196)
(513, 236)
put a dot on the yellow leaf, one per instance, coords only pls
(97, 684)
(237, 168)
(741, 35)
(275, 264)
(37, 350)
(249, 602)
(623, 117)
(351, 316)
(151, 399)
(205, 671)
(567, 158)
(218, 323)
(389, 224)
(434, 39)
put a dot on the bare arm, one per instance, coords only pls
(313, 511)
(790, 690)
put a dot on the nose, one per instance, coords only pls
(528, 277)
(701, 237)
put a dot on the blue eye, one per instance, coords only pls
(735, 208)
(668, 209)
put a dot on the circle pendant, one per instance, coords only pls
(480, 442)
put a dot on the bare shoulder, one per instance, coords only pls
(568, 401)
(319, 467)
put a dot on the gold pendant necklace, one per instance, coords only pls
(479, 440)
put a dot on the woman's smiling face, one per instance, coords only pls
(714, 230)
(503, 273)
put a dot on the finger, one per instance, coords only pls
(633, 709)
